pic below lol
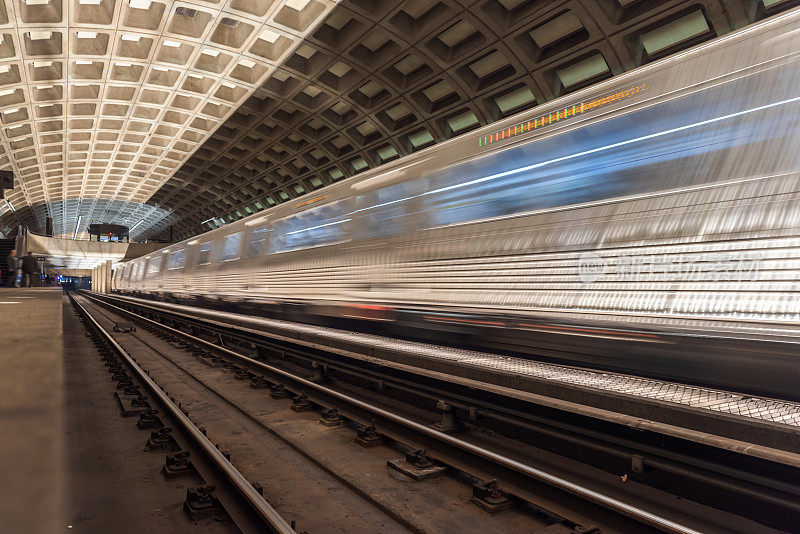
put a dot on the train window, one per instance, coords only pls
(323, 225)
(668, 145)
(391, 210)
(466, 193)
(153, 265)
(176, 259)
(230, 246)
(204, 254)
(257, 241)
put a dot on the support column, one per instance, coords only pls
(106, 276)
(109, 274)
(101, 277)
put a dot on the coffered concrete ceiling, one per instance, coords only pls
(249, 103)
(102, 100)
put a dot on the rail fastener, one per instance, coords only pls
(178, 465)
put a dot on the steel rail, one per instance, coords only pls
(635, 512)
(616, 446)
(254, 500)
(248, 327)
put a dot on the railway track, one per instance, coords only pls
(240, 499)
(485, 447)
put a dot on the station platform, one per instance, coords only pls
(31, 409)
(68, 461)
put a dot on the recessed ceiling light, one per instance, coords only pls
(84, 62)
(210, 52)
(123, 64)
(297, 4)
(140, 4)
(87, 35)
(131, 37)
(43, 64)
(172, 44)
(247, 63)
(39, 36)
(269, 36)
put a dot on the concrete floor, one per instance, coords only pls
(31, 404)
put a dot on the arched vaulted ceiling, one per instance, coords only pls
(101, 101)
(373, 80)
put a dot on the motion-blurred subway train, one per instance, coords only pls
(649, 223)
